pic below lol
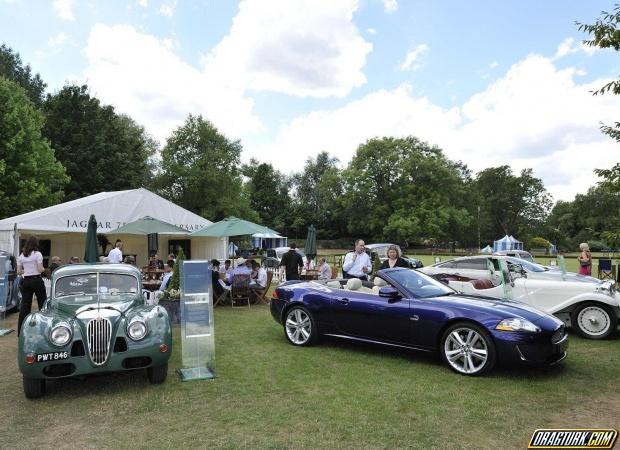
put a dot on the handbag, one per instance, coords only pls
(584, 262)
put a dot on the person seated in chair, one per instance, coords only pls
(216, 282)
(155, 262)
(259, 277)
(167, 275)
(325, 272)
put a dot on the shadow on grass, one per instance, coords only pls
(113, 383)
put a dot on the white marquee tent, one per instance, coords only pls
(64, 225)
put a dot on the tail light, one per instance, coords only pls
(275, 294)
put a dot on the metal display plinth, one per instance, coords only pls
(196, 373)
(197, 337)
(3, 295)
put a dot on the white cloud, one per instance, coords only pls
(390, 6)
(371, 31)
(312, 49)
(58, 39)
(143, 3)
(568, 46)
(534, 116)
(63, 9)
(493, 65)
(413, 56)
(141, 76)
(167, 8)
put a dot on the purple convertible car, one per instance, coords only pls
(405, 308)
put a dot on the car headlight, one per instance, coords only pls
(136, 330)
(516, 324)
(607, 287)
(60, 335)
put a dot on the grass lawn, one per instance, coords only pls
(269, 394)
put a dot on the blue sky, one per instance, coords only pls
(489, 82)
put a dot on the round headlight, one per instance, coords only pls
(136, 330)
(60, 335)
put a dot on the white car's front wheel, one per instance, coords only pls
(594, 320)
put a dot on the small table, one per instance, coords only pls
(310, 275)
(151, 285)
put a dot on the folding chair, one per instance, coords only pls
(605, 270)
(260, 295)
(224, 295)
(240, 289)
(334, 272)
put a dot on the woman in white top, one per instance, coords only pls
(30, 267)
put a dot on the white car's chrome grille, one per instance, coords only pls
(99, 332)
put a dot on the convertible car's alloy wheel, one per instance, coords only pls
(468, 349)
(299, 326)
(594, 321)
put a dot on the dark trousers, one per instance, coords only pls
(30, 286)
(362, 277)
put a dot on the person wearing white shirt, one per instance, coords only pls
(357, 263)
(325, 271)
(168, 268)
(30, 267)
(259, 279)
(116, 255)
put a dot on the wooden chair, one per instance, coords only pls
(334, 273)
(240, 289)
(224, 295)
(260, 294)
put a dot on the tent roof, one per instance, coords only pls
(267, 236)
(112, 209)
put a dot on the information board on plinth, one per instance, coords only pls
(197, 334)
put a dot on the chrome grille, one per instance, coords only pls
(558, 335)
(99, 333)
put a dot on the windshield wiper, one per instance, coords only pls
(70, 294)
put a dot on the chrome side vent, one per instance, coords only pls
(99, 333)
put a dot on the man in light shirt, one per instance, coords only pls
(357, 263)
(116, 255)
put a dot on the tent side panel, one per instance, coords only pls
(208, 248)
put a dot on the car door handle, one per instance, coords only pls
(344, 301)
(414, 318)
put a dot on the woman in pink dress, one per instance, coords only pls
(585, 259)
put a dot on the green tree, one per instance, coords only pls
(12, 68)
(605, 33)
(200, 171)
(405, 190)
(318, 196)
(268, 193)
(511, 204)
(31, 176)
(101, 150)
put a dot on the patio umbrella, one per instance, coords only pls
(91, 252)
(311, 242)
(231, 226)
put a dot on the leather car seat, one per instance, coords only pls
(354, 284)
(482, 284)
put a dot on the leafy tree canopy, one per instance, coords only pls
(200, 170)
(101, 150)
(12, 68)
(31, 176)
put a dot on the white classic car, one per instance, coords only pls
(590, 306)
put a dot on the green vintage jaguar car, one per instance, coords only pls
(95, 321)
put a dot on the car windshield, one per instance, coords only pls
(529, 266)
(88, 284)
(420, 285)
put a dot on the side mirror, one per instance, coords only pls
(445, 281)
(389, 292)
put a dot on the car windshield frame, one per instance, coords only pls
(527, 265)
(425, 286)
(84, 287)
